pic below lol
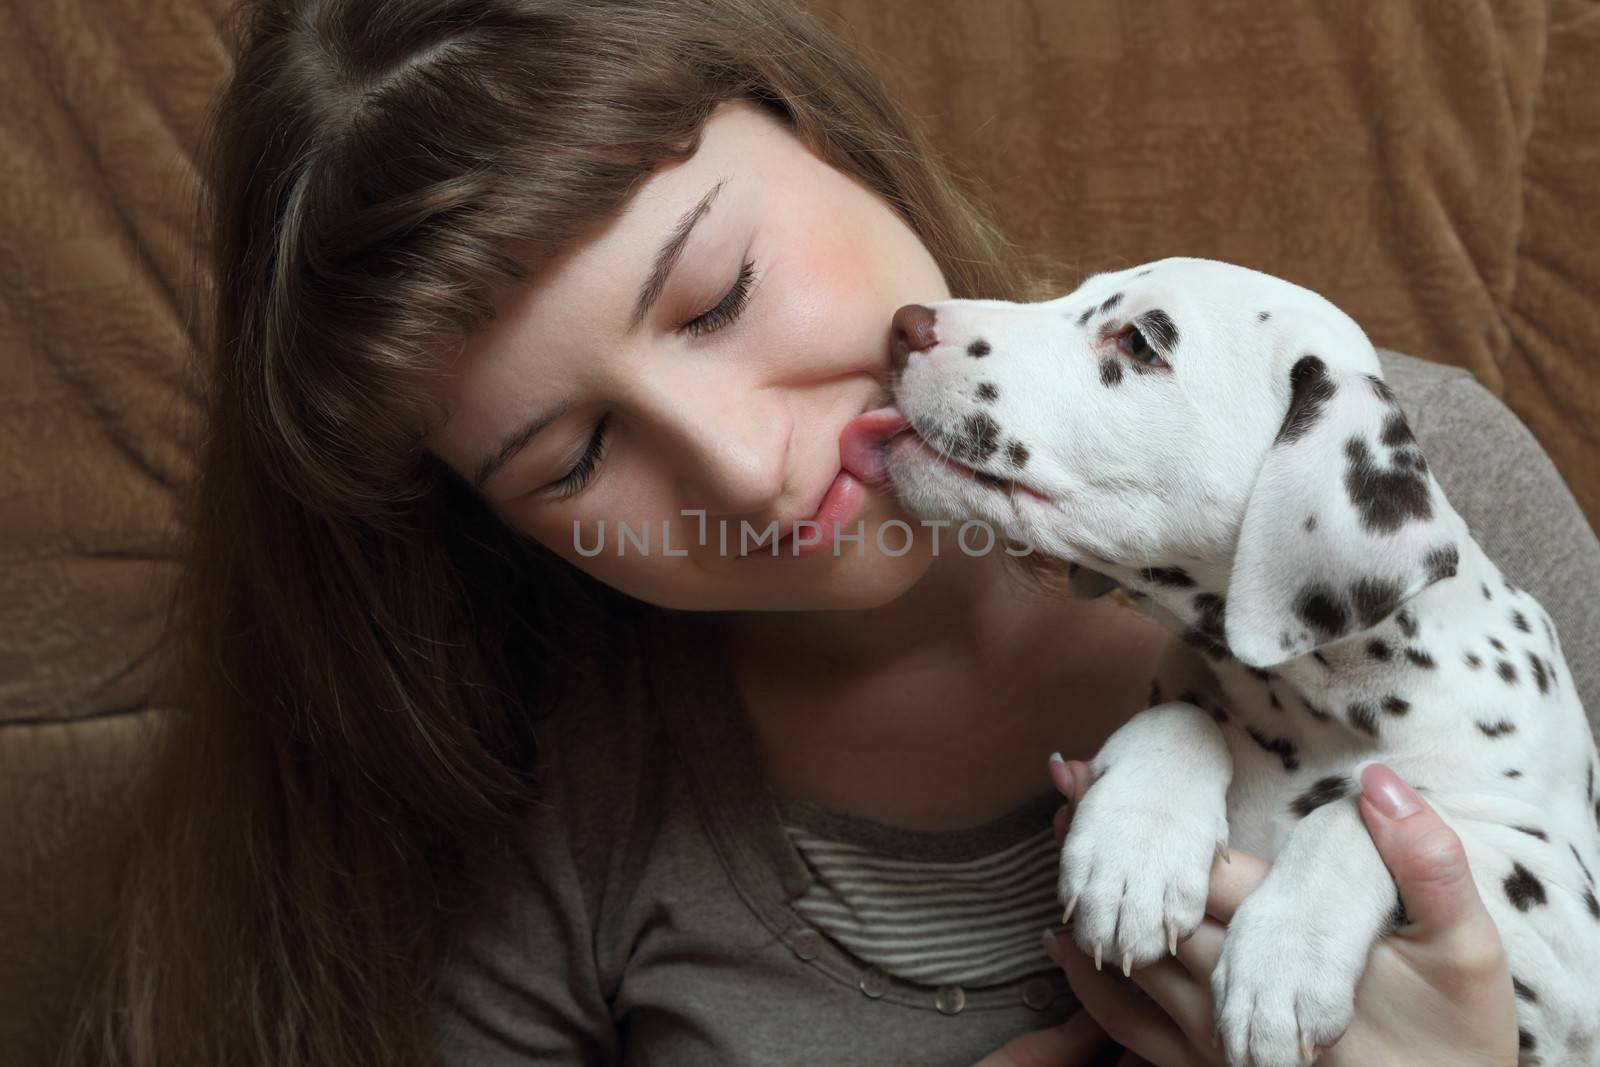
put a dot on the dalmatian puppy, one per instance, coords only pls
(1221, 444)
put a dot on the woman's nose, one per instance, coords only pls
(735, 456)
(911, 330)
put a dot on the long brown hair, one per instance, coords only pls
(358, 643)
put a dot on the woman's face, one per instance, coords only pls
(722, 397)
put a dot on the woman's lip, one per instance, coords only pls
(841, 501)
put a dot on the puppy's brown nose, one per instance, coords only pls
(911, 331)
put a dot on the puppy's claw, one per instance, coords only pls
(1172, 937)
(1308, 1046)
(1222, 852)
(1073, 903)
(1097, 955)
(1127, 964)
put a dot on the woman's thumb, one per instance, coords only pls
(1421, 851)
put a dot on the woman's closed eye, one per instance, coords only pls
(722, 314)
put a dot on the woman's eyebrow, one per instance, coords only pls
(668, 256)
(513, 444)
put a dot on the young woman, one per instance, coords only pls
(495, 275)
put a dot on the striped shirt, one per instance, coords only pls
(970, 921)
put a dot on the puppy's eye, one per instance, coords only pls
(1134, 344)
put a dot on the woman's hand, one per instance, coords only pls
(1435, 991)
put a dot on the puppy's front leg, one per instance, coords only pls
(1296, 947)
(1136, 864)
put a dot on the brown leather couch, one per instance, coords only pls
(1430, 166)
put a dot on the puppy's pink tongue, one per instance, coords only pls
(862, 441)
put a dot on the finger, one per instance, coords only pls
(1186, 1000)
(1233, 879)
(1123, 1011)
(1199, 952)
(1071, 1042)
(1082, 778)
(1061, 776)
(1424, 855)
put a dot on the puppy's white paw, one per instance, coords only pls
(1136, 864)
(1285, 983)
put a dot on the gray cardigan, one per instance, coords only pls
(651, 923)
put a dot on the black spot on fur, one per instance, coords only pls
(1473, 661)
(1310, 389)
(1321, 609)
(1263, 316)
(1512, 773)
(1322, 791)
(1540, 678)
(1497, 729)
(1142, 273)
(1381, 388)
(1441, 563)
(1420, 658)
(1017, 454)
(1395, 705)
(1385, 499)
(1363, 718)
(1591, 903)
(1311, 523)
(1396, 432)
(978, 440)
(1498, 647)
(1110, 302)
(1281, 747)
(1160, 330)
(1379, 650)
(1524, 990)
(978, 349)
(987, 391)
(1520, 621)
(1506, 671)
(1531, 832)
(1525, 1040)
(1110, 372)
(1523, 888)
(1486, 594)
(1083, 320)
(1407, 621)
(1209, 633)
(1316, 712)
(1173, 576)
(1374, 599)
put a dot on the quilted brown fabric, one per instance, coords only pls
(1429, 165)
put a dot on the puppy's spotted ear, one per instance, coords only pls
(1344, 524)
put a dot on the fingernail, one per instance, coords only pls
(1388, 793)
(1055, 757)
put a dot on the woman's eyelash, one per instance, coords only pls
(725, 312)
(583, 470)
(730, 306)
